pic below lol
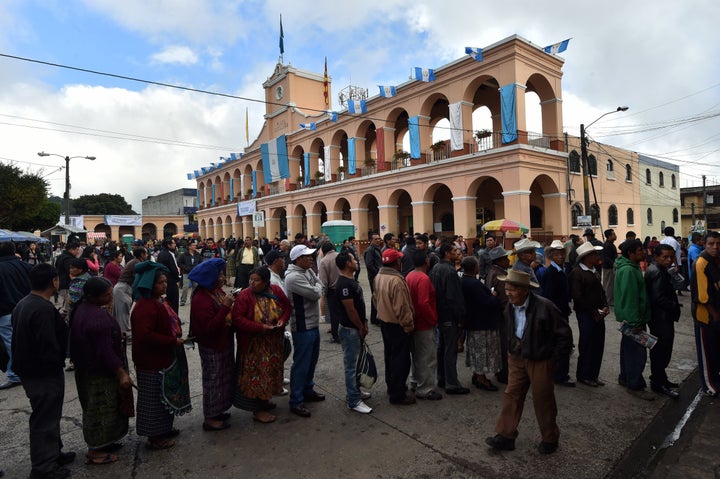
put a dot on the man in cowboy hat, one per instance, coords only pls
(589, 236)
(500, 263)
(525, 250)
(555, 287)
(590, 306)
(539, 335)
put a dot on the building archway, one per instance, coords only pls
(149, 232)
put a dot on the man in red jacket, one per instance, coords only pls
(422, 293)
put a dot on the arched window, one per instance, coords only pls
(649, 216)
(592, 165)
(648, 176)
(673, 181)
(595, 214)
(628, 173)
(448, 222)
(661, 180)
(612, 215)
(574, 162)
(610, 169)
(662, 227)
(675, 215)
(630, 217)
(575, 211)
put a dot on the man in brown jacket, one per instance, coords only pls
(538, 336)
(395, 313)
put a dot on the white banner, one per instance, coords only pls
(123, 220)
(456, 126)
(246, 208)
(326, 164)
(76, 221)
(258, 219)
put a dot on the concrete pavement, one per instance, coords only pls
(429, 439)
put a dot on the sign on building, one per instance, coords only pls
(259, 219)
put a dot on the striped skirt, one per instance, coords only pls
(153, 418)
(217, 380)
(103, 423)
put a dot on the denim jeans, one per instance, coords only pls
(350, 339)
(306, 350)
(633, 357)
(6, 336)
(186, 284)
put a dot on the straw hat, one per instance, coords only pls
(497, 253)
(525, 244)
(587, 248)
(557, 244)
(518, 278)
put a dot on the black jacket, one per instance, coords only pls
(448, 292)
(482, 309)
(62, 264)
(188, 261)
(14, 282)
(39, 340)
(166, 258)
(547, 333)
(373, 262)
(555, 288)
(664, 305)
(586, 290)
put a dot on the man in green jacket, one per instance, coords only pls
(631, 306)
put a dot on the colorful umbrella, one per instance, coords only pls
(506, 226)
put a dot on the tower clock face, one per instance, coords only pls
(279, 93)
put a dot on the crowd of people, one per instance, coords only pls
(431, 297)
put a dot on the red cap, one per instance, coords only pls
(391, 255)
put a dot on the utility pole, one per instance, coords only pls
(704, 193)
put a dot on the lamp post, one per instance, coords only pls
(584, 156)
(67, 179)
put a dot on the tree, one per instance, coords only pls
(46, 218)
(22, 196)
(102, 204)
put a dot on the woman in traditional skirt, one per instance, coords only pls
(260, 315)
(210, 322)
(101, 377)
(483, 315)
(158, 354)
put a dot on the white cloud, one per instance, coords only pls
(175, 54)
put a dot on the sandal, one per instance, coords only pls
(210, 427)
(159, 444)
(100, 460)
(111, 447)
(264, 417)
(172, 433)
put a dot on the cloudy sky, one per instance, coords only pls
(660, 58)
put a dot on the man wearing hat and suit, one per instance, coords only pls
(589, 236)
(395, 313)
(591, 307)
(539, 335)
(555, 288)
(525, 250)
(500, 263)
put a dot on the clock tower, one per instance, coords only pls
(293, 96)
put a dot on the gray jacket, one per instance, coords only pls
(304, 290)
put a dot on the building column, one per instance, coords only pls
(516, 206)
(137, 231)
(464, 212)
(555, 214)
(334, 215)
(552, 123)
(115, 233)
(422, 216)
(359, 155)
(360, 220)
(334, 159)
(388, 219)
(313, 224)
(272, 226)
(248, 229)
(425, 136)
(237, 228)
(294, 224)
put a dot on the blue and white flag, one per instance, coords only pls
(332, 115)
(275, 160)
(233, 156)
(352, 157)
(212, 194)
(190, 176)
(306, 169)
(557, 47)
(423, 74)
(254, 183)
(204, 170)
(387, 91)
(414, 130)
(308, 126)
(356, 107)
(474, 52)
(196, 173)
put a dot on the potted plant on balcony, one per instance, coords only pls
(368, 166)
(319, 177)
(482, 134)
(300, 181)
(249, 193)
(400, 158)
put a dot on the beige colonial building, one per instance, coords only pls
(443, 191)
(453, 187)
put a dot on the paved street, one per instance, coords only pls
(427, 440)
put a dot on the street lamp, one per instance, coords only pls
(584, 155)
(67, 179)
